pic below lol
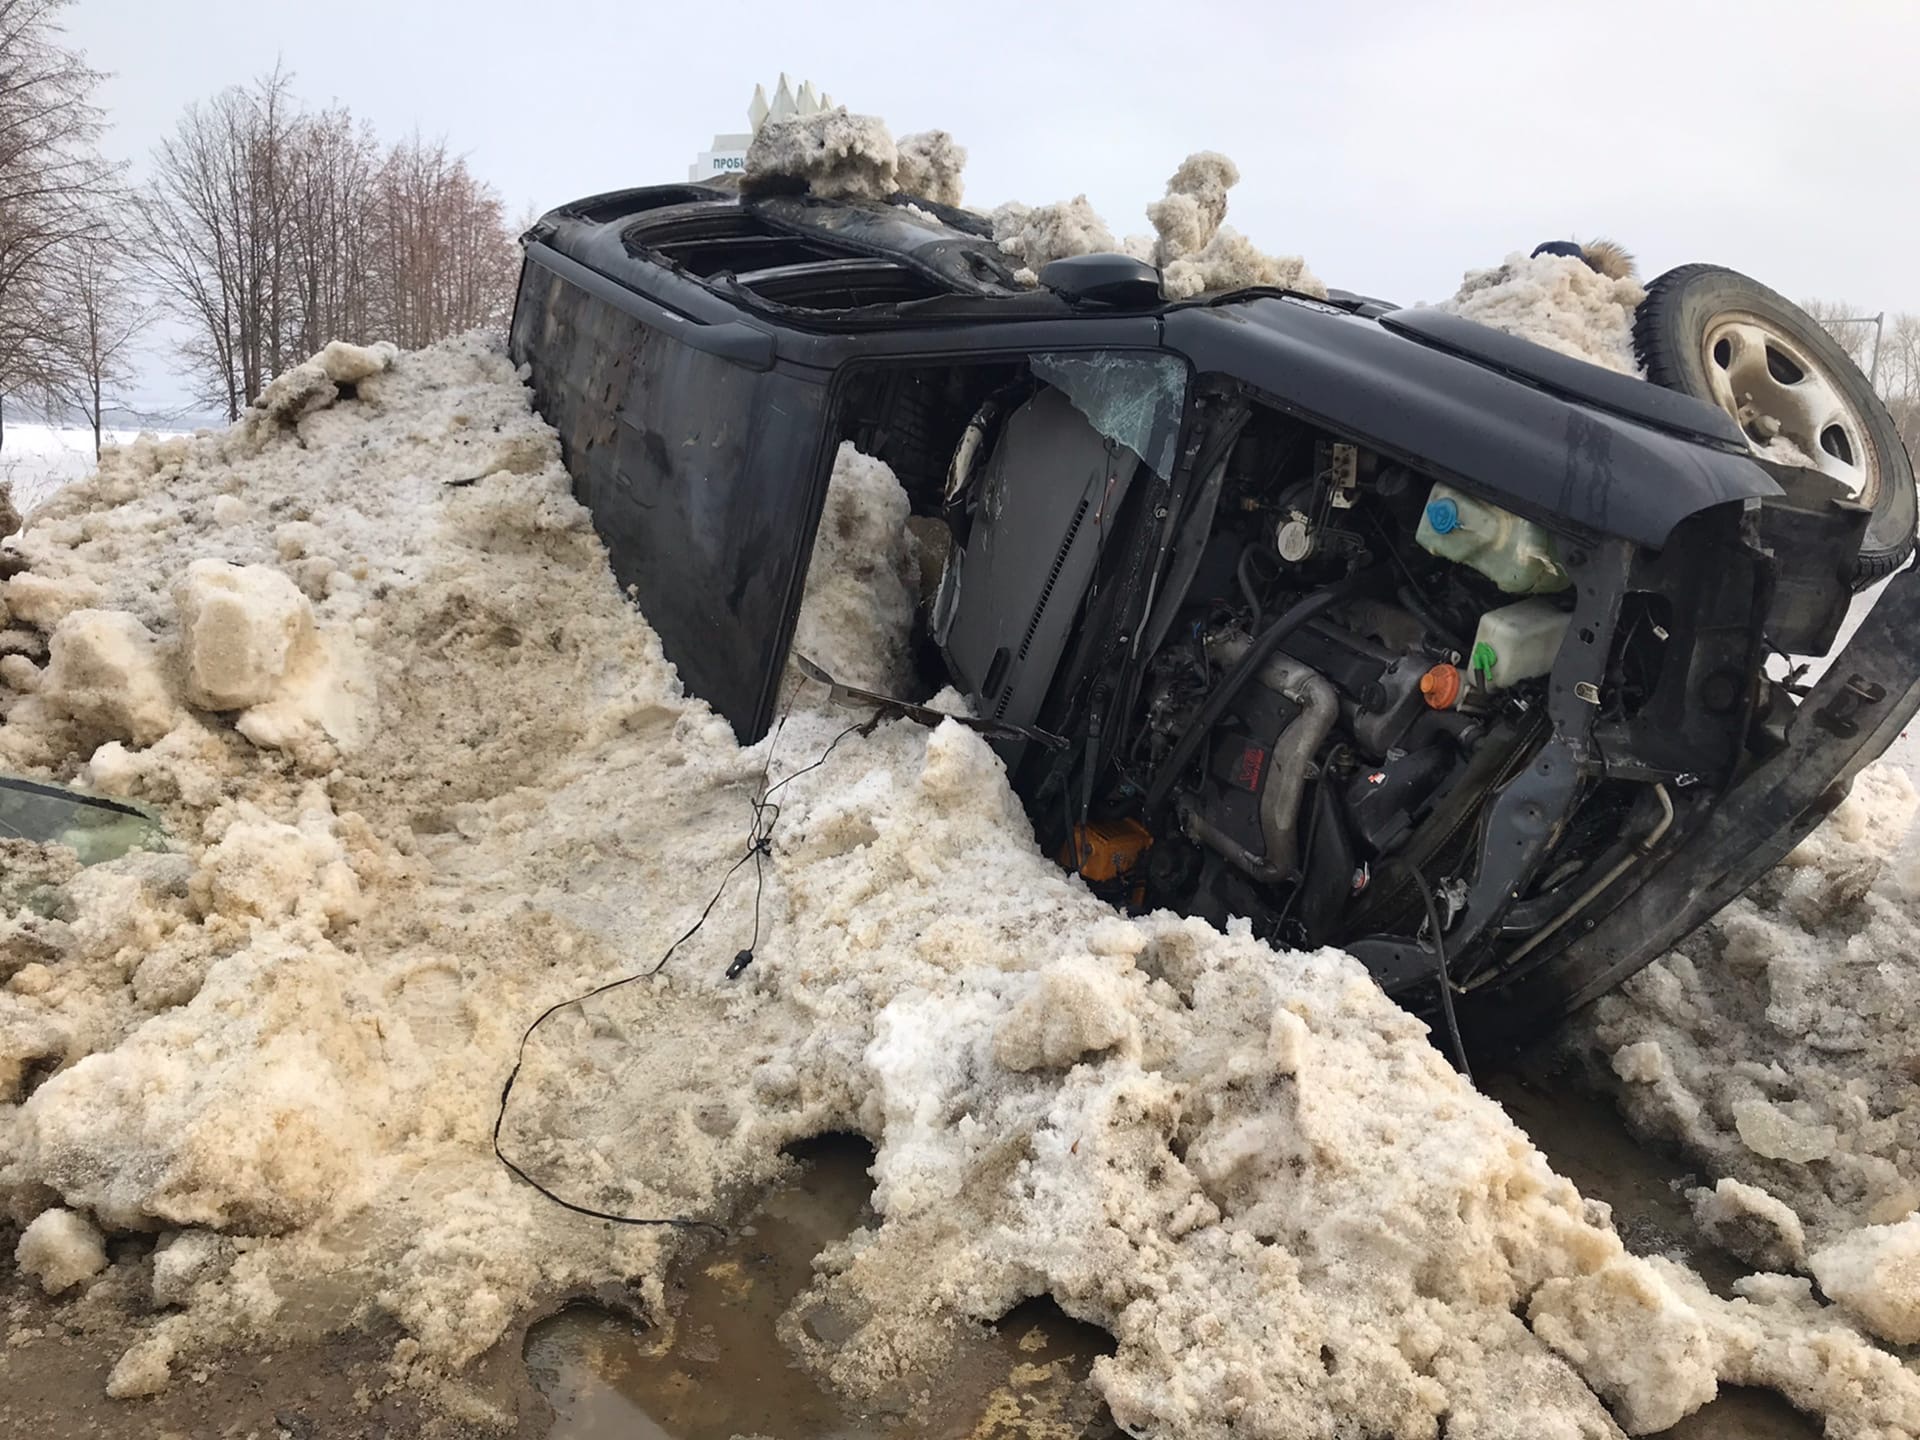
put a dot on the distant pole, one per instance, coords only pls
(1879, 330)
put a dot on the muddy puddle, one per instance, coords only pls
(719, 1369)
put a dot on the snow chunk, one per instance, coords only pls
(315, 384)
(251, 644)
(1641, 1063)
(1077, 1008)
(1188, 216)
(1750, 1224)
(267, 870)
(60, 1249)
(46, 600)
(856, 617)
(1768, 1130)
(1558, 301)
(252, 1106)
(144, 1369)
(242, 627)
(830, 153)
(930, 166)
(1633, 1338)
(106, 674)
(1037, 235)
(1875, 1273)
(186, 1260)
(1197, 253)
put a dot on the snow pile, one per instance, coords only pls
(1558, 301)
(1776, 1048)
(931, 163)
(271, 1060)
(834, 155)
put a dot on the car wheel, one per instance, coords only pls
(1714, 334)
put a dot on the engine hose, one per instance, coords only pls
(1235, 680)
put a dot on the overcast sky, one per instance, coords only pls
(1394, 143)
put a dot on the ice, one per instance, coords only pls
(1875, 1272)
(279, 1048)
(1558, 301)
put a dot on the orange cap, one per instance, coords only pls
(1441, 687)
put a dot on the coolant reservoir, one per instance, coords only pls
(1516, 642)
(1517, 555)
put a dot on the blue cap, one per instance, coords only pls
(1444, 516)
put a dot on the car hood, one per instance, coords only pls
(1504, 416)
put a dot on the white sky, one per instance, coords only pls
(1394, 143)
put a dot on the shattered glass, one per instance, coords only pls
(95, 828)
(1134, 399)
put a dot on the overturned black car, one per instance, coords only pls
(1372, 625)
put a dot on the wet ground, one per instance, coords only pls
(719, 1369)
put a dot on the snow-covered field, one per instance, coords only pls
(247, 1086)
(36, 459)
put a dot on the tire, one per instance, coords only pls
(1720, 337)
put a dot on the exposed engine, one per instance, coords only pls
(1281, 678)
(1295, 777)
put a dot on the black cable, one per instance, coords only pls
(1440, 966)
(759, 845)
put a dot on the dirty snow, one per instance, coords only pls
(37, 459)
(833, 154)
(1037, 235)
(1194, 250)
(1784, 1026)
(269, 1060)
(60, 1249)
(857, 612)
(931, 163)
(1558, 301)
(1197, 253)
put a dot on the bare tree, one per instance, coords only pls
(106, 320)
(271, 231)
(215, 221)
(446, 262)
(51, 177)
(1852, 328)
(333, 192)
(1897, 371)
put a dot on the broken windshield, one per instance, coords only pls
(1133, 399)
